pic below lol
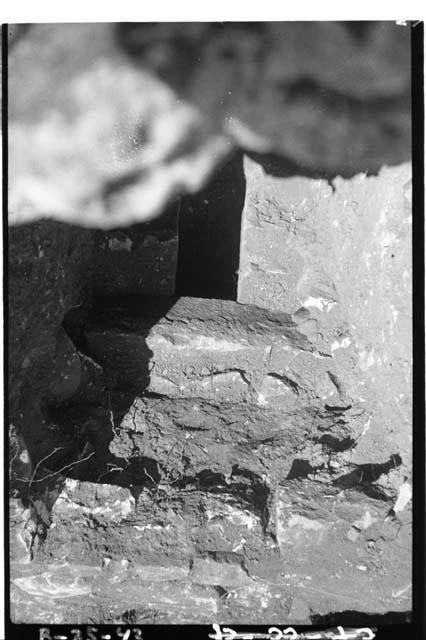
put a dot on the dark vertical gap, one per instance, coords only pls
(419, 560)
(209, 235)
(5, 176)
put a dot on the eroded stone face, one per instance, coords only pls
(200, 545)
(235, 461)
(311, 520)
(339, 260)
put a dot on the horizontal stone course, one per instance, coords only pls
(213, 349)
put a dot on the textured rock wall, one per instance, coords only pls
(49, 274)
(196, 459)
(151, 554)
(338, 258)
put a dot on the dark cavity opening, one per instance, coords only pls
(209, 235)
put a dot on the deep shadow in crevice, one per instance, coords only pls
(261, 494)
(335, 444)
(300, 469)
(126, 370)
(366, 474)
(281, 166)
(398, 620)
(209, 235)
(85, 425)
(244, 486)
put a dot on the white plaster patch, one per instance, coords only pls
(244, 519)
(366, 521)
(323, 304)
(404, 496)
(69, 499)
(124, 507)
(237, 517)
(261, 400)
(43, 586)
(296, 520)
(366, 427)
(206, 343)
(240, 545)
(24, 457)
(344, 344)
(366, 359)
(152, 527)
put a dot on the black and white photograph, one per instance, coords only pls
(208, 325)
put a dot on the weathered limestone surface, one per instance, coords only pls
(225, 352)
(327, 536)
(187, 554)
(230, 462)
(214, 349)
(108, 123)
(339, 260)
(266, 444)
(192, 437)
(256, 476)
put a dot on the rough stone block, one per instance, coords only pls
(169, 528)
(79, 510)
(99, 500)
(215, 437)
(209, 571)
(339, 260)
(78, 594)
(371, 551)
(214, 349)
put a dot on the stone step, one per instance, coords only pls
(213, 349)
(161, 548)
(204, 441)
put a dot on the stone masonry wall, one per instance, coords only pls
(338, 258)
(198, 459)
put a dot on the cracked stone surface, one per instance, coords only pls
(339, 260)
(199, 545)
(189, 459)
(228, 451)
